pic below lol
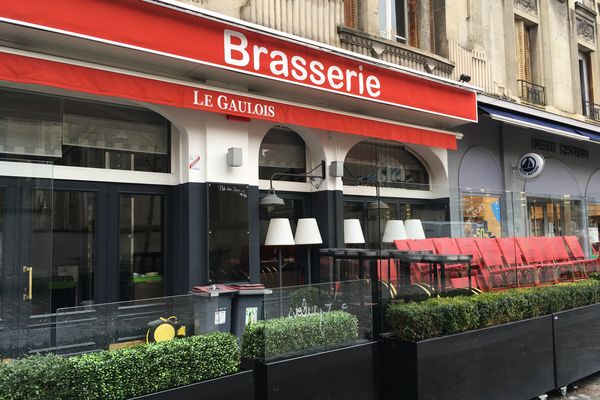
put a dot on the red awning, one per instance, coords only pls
(95, 80)
(212, 44)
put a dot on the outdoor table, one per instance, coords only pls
(351, 254)
(437, 263)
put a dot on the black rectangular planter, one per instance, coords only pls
(238, 386)
(577, 347)
(512, 361)
(344, 374)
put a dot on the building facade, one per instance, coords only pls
(136, 156)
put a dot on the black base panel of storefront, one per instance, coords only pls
(512, 361)
(341, 374)
(238, 386)
(577, 348)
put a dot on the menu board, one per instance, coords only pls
(228, 233)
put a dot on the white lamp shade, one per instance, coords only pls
(353, 232)
(279, 233)
(307, 232)
(394, 230)
(414, 229)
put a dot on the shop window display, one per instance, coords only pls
(555, 216)
(482, 216)
(593, 227)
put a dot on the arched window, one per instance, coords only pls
(282, 150)
(390, 163)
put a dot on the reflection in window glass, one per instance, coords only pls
(228, 233)
(482, 216)
(434, 215)
(82, 133)
(593, 227)
(141, 247)
(389, 163)
(63, 236)
(282, 151)
(555, 217)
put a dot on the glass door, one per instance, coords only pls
(141, 246)
(25, 257)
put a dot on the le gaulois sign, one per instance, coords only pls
(216, 44)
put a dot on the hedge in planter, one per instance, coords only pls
(270, 338)
(121, 374)
(446, 316)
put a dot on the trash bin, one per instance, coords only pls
(215, 317)
(247, 306)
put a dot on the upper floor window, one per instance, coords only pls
(393, 20)
(389, 163)
(282, 151)
(82, 133)
(585, 82)
(528, 63)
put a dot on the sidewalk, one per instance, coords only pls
(589, 389)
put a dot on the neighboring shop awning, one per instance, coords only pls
(29, 68)
(527, 121)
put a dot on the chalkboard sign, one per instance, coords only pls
(228, 233)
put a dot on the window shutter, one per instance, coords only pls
(350, 18)
(413, 25)
(527, 53)
(520, 48)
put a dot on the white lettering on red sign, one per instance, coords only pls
(233, 105)
(238, 53)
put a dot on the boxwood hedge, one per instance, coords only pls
(279, 336)
(446, 316)
(120, 374)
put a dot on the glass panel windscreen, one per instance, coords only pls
(307, 319)
(114, 325)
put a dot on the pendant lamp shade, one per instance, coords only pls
(394, 230)
(307, 232)
(414, 229)
(353, 232)
(279, 233)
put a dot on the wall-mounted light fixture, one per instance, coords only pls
(234, 157)
(464, 78)
(271, 199)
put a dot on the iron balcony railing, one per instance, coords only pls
(532, 93)
(591, 110)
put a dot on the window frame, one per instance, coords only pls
(388, 31)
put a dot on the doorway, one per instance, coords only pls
(65, 244)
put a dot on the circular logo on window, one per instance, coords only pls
(530, 166)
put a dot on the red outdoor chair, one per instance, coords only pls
(402, 244)
(421, 245)
(589, 264)
(556, 246)
(514, 258)
(467, 246)
(534, 257)
(555, 249)
(449, 246)
(500, 276)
